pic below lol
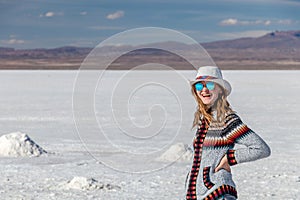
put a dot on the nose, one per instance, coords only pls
(205, 89)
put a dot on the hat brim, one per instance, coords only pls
(223, 83)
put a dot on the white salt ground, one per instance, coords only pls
(40, 103)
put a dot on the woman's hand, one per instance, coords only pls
(223, 165)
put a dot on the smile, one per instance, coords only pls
(206, 95)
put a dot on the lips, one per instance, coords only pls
(206, 95)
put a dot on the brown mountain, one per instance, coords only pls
(276, 50)
(277, 39)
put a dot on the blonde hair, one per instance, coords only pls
(221, 106)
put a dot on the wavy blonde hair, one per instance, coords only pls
(221, 106)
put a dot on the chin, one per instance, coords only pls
(207, 101)
(208, 104)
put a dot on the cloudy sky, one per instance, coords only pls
(55, 23)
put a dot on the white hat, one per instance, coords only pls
(214, 74)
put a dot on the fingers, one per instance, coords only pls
(223, 166)
(218, 168)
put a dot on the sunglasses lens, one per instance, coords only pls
(199, 86)
(210, 85)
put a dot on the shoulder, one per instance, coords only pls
(232, 117)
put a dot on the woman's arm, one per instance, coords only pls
(254, 146)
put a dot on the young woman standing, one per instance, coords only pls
(219, 128)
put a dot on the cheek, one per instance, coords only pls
(217, 90)
(216, 96)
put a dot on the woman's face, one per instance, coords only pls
(208, 95)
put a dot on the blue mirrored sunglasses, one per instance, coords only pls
(208, 84)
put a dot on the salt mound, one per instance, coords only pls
(177, 152)
(19, 144)
(83, 183)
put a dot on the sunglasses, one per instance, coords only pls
(208, 84)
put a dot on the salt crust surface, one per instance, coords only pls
(40, 103)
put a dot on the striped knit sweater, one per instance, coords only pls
(210, 144)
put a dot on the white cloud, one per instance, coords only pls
(51, 14)
(284, 21)
(233, 22)
(268, 22)
(12, 36)
(83, 13)
(115, 15)
(107, 28)
(12, 41)
(228, 22)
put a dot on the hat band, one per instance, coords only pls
(205, 77)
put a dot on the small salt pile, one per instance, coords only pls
(83, 183)
(19, 144)
(177, 152)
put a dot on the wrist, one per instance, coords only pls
(231, 157)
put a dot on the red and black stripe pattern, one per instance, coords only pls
(220, 191)
(206, 179)
(231, 158)
(236, 132)
(198, 146)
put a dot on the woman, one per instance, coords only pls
(218, 130)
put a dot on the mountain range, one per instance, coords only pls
(275, 50)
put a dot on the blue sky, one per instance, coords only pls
(56, 23)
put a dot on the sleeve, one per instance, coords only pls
(254, 146)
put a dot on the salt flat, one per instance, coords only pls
(136, 117)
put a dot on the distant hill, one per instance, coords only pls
(277, 39)
(61, 52)
(275, 50)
